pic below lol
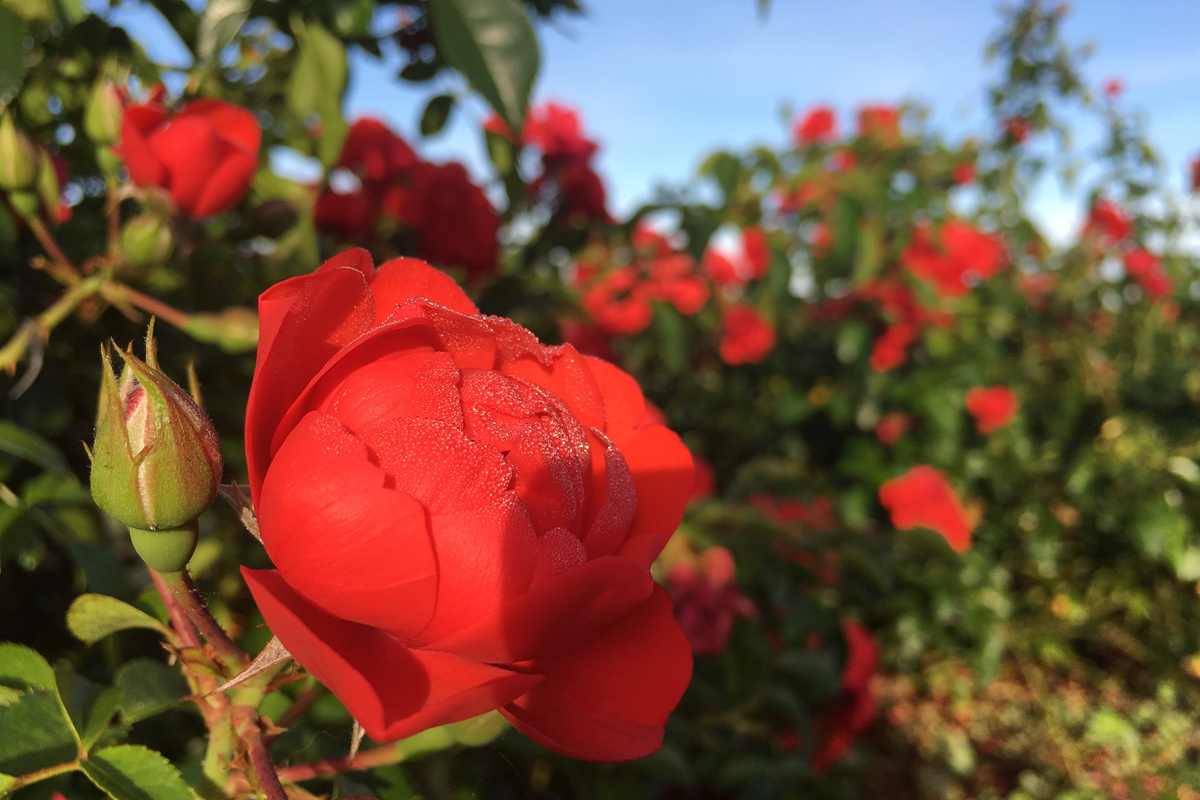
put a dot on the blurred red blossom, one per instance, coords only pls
(746, 337)
(1113, 87)
(851, 713)
(963, 173)
(815, 127)
(1147, 270)
(455, 223)
(949, 259)
(924, 498)
(619, 302)
(1108, 222)
(891, 347)
(757, 251)
(880, 122)
(707, 601)
(891, 427)
(993, 407)
(1017, 129)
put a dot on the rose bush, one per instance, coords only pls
(460, 518)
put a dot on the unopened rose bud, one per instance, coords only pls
(145, 240)
(156, 461)
(18, 158)
(102, 118)
(48, 189)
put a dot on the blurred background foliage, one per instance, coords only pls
(810, 317)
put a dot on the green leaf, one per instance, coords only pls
(726, 170)
(93, 616)
(868, 256)
(23, 670)
(493, 45)
(436, 114)
(220, 23)
(89, 706)
(133, 772)
(35, 734)
(14, 59)
(147, 688)
(317, 84)
(15, 440)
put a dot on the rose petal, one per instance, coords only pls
(190, 149)
(340, 537)
(403, 279)
(303, 323)
(624, 403)
(661, 466)
(391, 690)
(608, 699)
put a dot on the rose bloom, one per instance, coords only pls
(619, 303)
(881, 122)
(1107, 221)
(955, 252)
(993, 407)
(707, 601)
(204, 155)
(757, 251)
(923, 498)
(1017, 129)
(892, 426)
(460, 518)
(891, 348)
(839, 725)
(455, 222)
(818, 125)
(746, 338)
(1113, 88)
(963, 173)
(1146, 268)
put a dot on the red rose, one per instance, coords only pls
(1107, 221)
(619, 302)
(460, 518)
(757, 251)
(993, 407)
(881, 122)
(204, 156)
(1146, 269)
(839, 725)
(923, 498)
(455, 222)
(957, 253)
(818, 125)
(891, 427)
(746, 337)
(891, 348)
(963, 173)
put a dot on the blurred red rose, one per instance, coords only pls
(881, 122)
(376, 154)
(746, 338)
(891, 347)
(891, 427)
(923, 498)
(1017, 129)
(1195, 174)
(1113, 88)
(1108, 222)
(839, 725)
(455, 223)
(619, 302)
(672, 278)
(707, 601)
(460, 518)
(204, 155)
(993, 407)
(963, 173)
(1147, 270)
(817, 126)
(957, 254)
(757, 251)
(720, 268)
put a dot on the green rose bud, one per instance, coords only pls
(102, 118)
(156, 461)
(146, 240)
(18, 158)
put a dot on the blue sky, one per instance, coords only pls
(662, 83)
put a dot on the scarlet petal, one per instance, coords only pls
(191, 150)
(138, 123)
(235, 124)
(624, 403)
(227, 184)
(661, 466)
(403, 279)
(563, 371)
(343, 539)
(393, 691)
(556, 614)
(608, 699)
(303, 322)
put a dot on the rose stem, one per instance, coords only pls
(181, 586)
(120, 294)
(376, 757)
(308, 695)
(51, 246)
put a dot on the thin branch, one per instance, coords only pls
(50, 245)
(180, 621)
(120, 294)
(181, 586)
(367, 759)
(264, 767)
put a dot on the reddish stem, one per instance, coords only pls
(377, 757)
(264, 767)
(179, 619)
(51, 246)
(120, 293)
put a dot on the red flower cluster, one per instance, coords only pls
(815, 517)
(839, 725)
(204, 154)
(956, 254)
(891, 347)
(1017, 129)
(963, 173)
(753, 263)
(451, 219)
(819, 125)
(923, 498)
(746, 337)
(1110, 226)
(1108, 223)
(568, 180)
(707, 601)
(880, 122)
(993, 407)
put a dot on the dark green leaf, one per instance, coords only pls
(17, 441)
(93, 616)
(133, 772)
(148, 688)
(420, 71)
(35, 734)
(493, 45)
(89, 706)
(436, 114)
(23, 670)
(14, 59)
